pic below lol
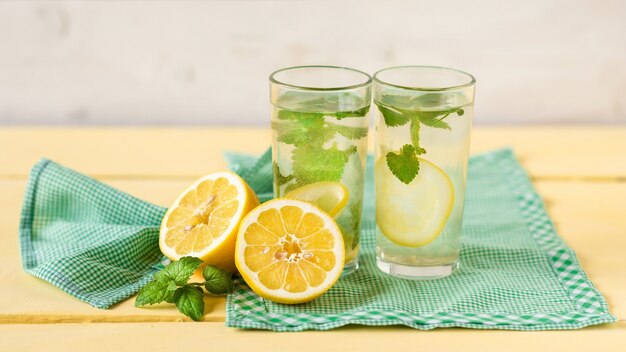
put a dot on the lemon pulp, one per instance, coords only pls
(413, 214)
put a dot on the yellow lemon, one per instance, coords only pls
(289, 251)
(413, 215)
(332, 197)
(204, 220)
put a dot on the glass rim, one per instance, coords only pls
(320, 89)
(471, 82)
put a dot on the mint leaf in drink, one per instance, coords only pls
(415, 136)
(179, 271)
(300, 116)
(393, 117)
(355, 113)
(397, 100)
(349, 132)
(435, 118)
(428, 100)
(189, 300)
(404, 165)
(356, 212)
(156, 292)
(314, 163)
(278, 176)
(218, 281)
(300, 132)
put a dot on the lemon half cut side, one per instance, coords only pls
(289, 251)
(204, 220)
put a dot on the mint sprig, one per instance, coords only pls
(393, 117)
(189, 300)
(313, 163)
(404, 164)
(171, 285)
(309, 132)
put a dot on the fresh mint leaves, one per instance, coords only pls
(393, 117)
(171, 285)
(314, 163)
(404, 164)
(355, 113)
(310, 133)
(179, 272)
(189, 300)
(218, 281)
(415, 136)
(156, 292)
(353, 133)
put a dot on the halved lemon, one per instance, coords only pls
(332, 197)
(204, 220)
(289, 251)
(413, 215)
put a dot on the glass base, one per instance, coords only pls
(350, 266)
(416, 272)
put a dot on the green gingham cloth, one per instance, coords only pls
(100, 245)
(94, 242)
(516, 273)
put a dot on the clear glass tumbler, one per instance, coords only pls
(319, 142)
(422, 144)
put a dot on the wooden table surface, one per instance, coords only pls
(580, 171)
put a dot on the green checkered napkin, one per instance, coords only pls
(516, 273)
(94, 242)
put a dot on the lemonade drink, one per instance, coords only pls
(423, 121)
(319, 143)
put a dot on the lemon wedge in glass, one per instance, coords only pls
(331, 197)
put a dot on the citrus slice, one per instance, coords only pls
(331, 197)
(203, 221)
(289, 251)
(413, 214)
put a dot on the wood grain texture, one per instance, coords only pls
(217, 337)
(562, 152)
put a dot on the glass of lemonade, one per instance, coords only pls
(424, 117)
(319, 142)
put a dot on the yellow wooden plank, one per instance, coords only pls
(548, 152)
(217, 337)
(589, 216)
(127, 152)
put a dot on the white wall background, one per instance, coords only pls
(207, 62)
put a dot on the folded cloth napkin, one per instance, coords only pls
(516, 273)
(94, 242)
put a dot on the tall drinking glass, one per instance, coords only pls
(422, 143)
(319, 142)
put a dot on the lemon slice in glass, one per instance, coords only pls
(413, 214)
(331, 197)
